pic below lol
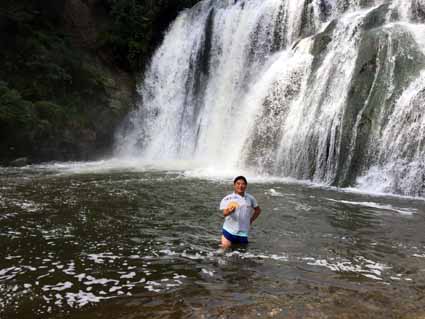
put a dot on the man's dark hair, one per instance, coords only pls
(238, 178)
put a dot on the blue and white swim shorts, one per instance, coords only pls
(234, 239)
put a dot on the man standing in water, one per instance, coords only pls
(240, 209)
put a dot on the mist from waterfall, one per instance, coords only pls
(328, 91)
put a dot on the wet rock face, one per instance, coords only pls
(387, 62)
(387, 59)
(321, 42)
(363, 87)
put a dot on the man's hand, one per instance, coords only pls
(257, 212)
(230, 208)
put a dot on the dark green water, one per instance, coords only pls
(128, 244)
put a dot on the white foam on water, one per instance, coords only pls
(195, 256)
(102, 281)
(366, 267)
(274, 193)
(151, 288)
(208, 272)
(60, 294)
(82, 298)
(164, 284)
(102, 257)
(373, 192)
(29, 205)
(249, 255)
(168, 252)
(55, 233)
(213, 255)
(14, 233)
(201, 170)
(4, 271)
(58, 287)
(134, 257)
(119, 164)
(223, 174)
(8, 215)
(387, 207)
(115, 288)
(24, 204)
(129, 275)
(372, 276)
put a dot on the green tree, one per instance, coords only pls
(138, 26)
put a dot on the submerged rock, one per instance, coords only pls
(19, 162)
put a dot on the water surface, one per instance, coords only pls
(145, 244)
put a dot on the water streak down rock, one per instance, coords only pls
(330, 91)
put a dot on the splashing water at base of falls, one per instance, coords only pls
(328, 91)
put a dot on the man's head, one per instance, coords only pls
(239, 185)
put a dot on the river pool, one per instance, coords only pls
(81, 242)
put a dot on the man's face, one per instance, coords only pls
(240, 186)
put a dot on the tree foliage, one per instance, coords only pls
(53, 92)
(46, 84)
(138, 26)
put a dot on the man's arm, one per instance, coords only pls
(257, 212)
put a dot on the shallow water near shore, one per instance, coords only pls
(125, 243)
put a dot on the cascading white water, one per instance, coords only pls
(306, 89)
(223, 45)
(310, 132)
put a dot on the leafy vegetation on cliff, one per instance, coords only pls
(60, 100)
(51, 92)
(138, 26)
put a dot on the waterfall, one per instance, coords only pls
(325, 90)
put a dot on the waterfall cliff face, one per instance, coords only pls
(331, 91)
